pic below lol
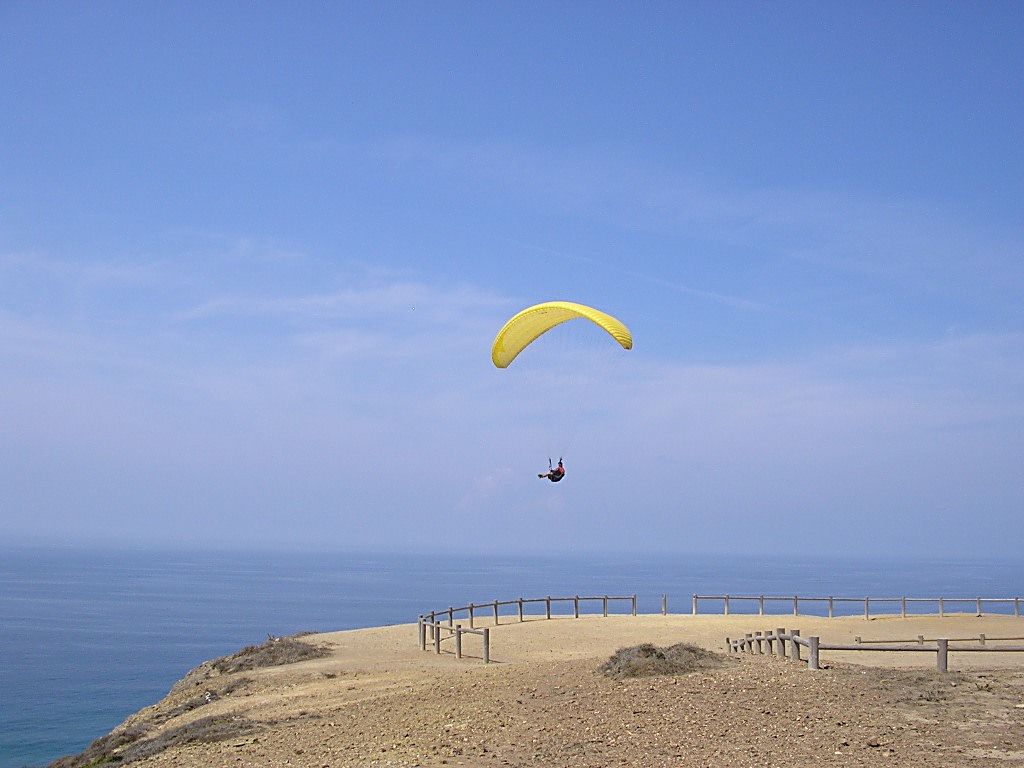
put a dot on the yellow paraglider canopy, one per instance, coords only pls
(526, 326)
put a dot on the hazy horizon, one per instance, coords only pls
(252, 260)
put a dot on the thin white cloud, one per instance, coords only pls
(916, 242)
(736, 302)
(186, 407)
(486, 487)
(936, 421)
(88, 273)
(369, 302)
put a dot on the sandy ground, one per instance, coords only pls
(378, 700)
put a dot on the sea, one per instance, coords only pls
(89, 636)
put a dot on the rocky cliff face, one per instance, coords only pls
(178, 718)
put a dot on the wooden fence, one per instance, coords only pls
(981, 637)
(431, 625)
(456, 631)
(941, 602)
(774, 642)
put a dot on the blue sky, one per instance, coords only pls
(252, 260)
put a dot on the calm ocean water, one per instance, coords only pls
(87, 637)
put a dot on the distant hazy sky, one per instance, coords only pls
(252, 258)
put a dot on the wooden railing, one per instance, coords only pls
(796, 600)
(520, 603)
(981, 637)
(431, 625)
(456, 631)
(774, 642)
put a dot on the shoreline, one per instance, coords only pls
(374, 698)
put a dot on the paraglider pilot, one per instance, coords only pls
(555, 474)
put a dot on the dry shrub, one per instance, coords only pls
(203, 731)
(646, 660)
(134, 740)
(201, 699)
(101, 750)
(274, 652)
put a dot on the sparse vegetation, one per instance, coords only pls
(204, 730)
(201, 699)
(647, 660)
(139, 738)
(274, 652)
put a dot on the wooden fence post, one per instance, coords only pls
(758, 643)
(942, 660)
(458, 641)
(437, 640)
(942, 607)
(748, 645)
(548, 607)
(812, 661)
(781, 651)
(726, 605)
(760, 606)
(903, 607)
(520, 609)
(769, 641)
(433, 621)
(422, 635)
(495, 613)
(728, 645)
(451, 614)
(634, 605)
(794, 646)
(576, 607)
(831, 614)
(664, 605)
(487, 646)
(694, 603)
(979, 606)
(471, 607)
(796, 605)
(604, 605)
(1016, 606)
(867, 609)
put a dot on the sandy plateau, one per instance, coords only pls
(376, 699)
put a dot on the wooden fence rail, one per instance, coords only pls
(978, 602)
(431, 625)
(494, 607)
(981, 638)
(456, 631)
(774, 642)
